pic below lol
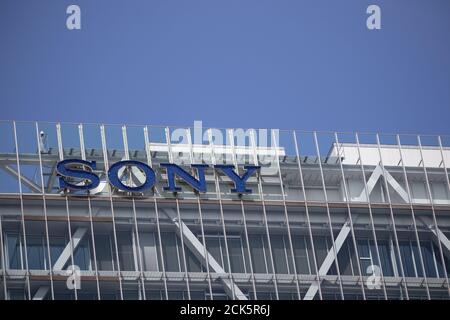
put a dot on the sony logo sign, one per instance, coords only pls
(82, 170)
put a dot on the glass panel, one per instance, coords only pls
(258, 253)
(170, 251)
(36, 253)
(191, 213)
(301, 254)
(443, 221)
(104, 252)
(59, 239)
(104, 246)
(126, 253)
(15, 251)
(17, 294)
(82, 254)
(57, 245)
(279, 253)
(154, 295)
(213, 245)
(433, 263)
(235, 247)
(149, 251)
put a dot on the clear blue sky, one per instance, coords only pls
(231, 63)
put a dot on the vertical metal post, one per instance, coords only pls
(330, 224)
(446, 172)
(308, 220)
(133, 202)
(50, 268)
(106, 161)
(186, 273)
(158, 228)
(443, 163)
(408, 189)
(391, 211)
(91, 222)
(286, 216)
(5, 290)
(434, 215)
(61, 157)
(263, 203)
(27, 271)
(383, 284)
(208, 272)
(244, 217)
(350, 217)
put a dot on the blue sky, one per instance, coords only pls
(234, 63)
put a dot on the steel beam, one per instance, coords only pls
(41, 293)
(438, 236)
(199, 251)
(30, 184)
(62, 259)
(329, 259)
(66, 254)
(375, 176)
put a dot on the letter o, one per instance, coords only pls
(113, 175)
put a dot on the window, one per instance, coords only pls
(126, 253)
(235, 249)
(214, 248)
(215, 244)
(301, 255)
(170, 252)
(385, 257)
(407, 259)
(258, 254)
(36, 253)
(154, 295)
(322, 245)
(14, 248)
(82, 255)
(345, 258)
(16, 294)
(131, 294)
(193, 265)
(365, 256)
(279, 254)
(148, 251)
(104, 252)
(57, 245)
(428, 258)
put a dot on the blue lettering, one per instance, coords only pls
(173, 169)
(239, 182)
(82, 170)
(114, 179)
(64, 172)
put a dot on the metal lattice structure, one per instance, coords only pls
(326, 210)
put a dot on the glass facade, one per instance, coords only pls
(329, 216)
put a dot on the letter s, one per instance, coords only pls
(66, 172)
